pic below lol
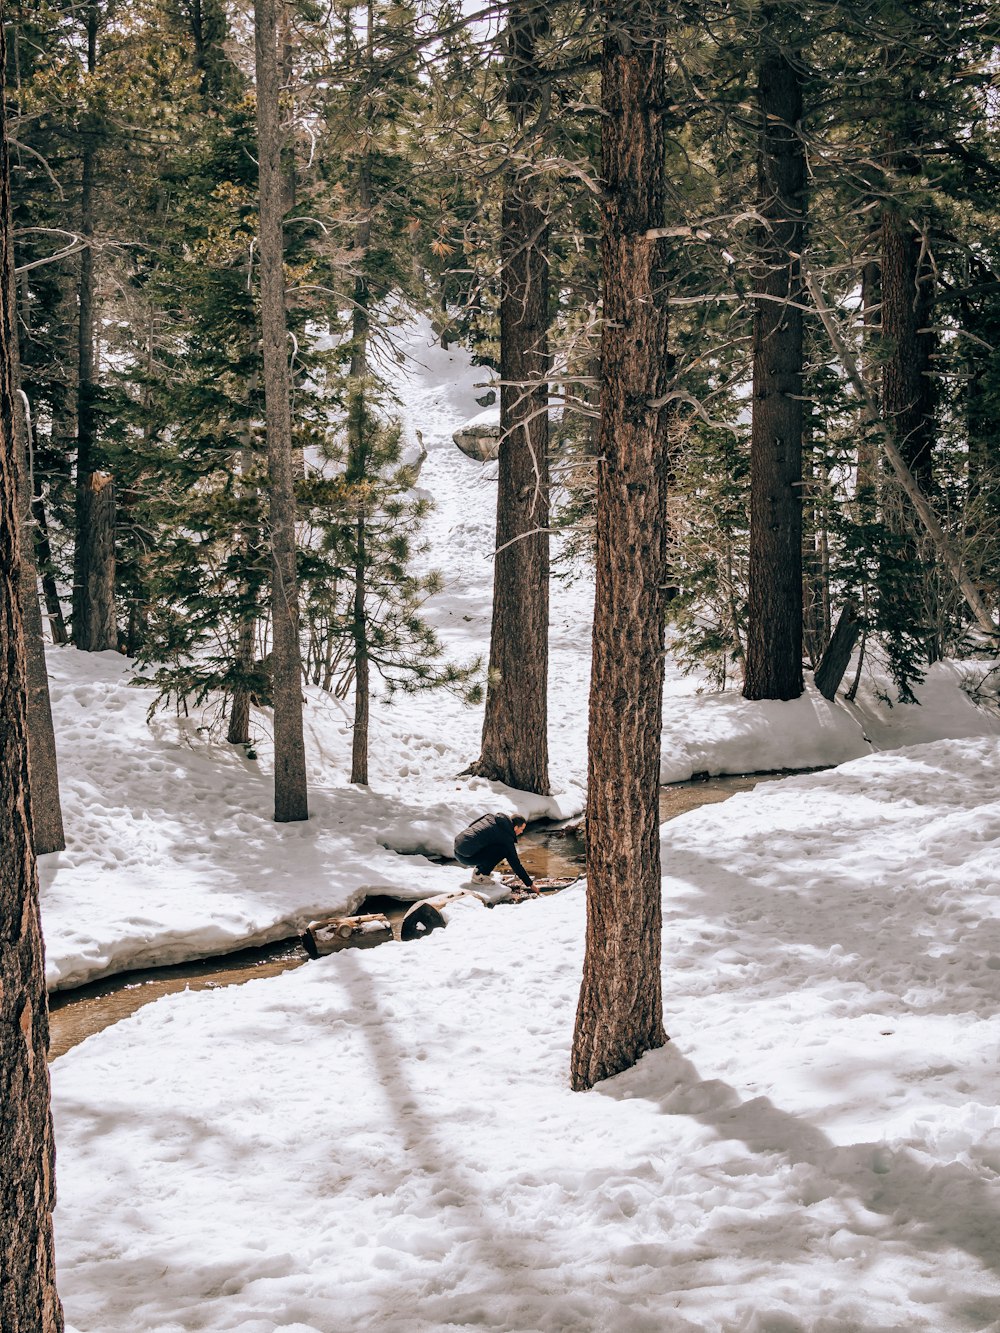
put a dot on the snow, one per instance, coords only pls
(385, 1139)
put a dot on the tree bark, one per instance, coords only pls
(774, 615)
(837, 656)
(238, 732)
(357, 455)
(815, 552)
(290, 799)
(44, 563)
(908, 343)
(620, 1011)
(514, 746)
(868, 454)
(28, 1299)
(95, 627)
(47, 822)
(362, 667)
(97, 630)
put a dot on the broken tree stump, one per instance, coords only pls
(422, 918)
(837, 657)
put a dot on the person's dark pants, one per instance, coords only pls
(483, 860)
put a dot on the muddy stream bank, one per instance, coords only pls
(79, 1012)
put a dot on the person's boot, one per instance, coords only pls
(479, 878)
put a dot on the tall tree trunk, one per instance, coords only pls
(239, 711)
(28, 1299)
(514, 747)
(44, 562)
(357, 450)
(290, 799)
(868, 451)
(96, 630)
(816, 627)
(46, 808)
(238, 732)
(620, 1011)
(907, 398)
(907, 349)
(774, 614)
(94, 624)
(38, 552)
(907, 302)
(362, 682)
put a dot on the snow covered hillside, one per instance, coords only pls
(385, 1140)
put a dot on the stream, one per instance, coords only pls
(551, 851)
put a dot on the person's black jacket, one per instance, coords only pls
(497, 833)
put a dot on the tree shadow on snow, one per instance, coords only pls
(928, 959)
(930, 1208)
(499, 1254)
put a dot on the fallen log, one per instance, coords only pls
(346, 932)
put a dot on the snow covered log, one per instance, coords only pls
(346, 932)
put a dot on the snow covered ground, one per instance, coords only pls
(385, 1140)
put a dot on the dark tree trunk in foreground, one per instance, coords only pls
(774, 614)
(28, 1299)
(514, 747)
(620, 1012)
(290, 800)
(95, 627)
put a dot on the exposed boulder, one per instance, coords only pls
(479, 437)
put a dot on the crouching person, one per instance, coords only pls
(487, 842)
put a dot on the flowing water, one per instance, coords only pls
(556, 852)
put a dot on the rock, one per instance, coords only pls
(479, 437)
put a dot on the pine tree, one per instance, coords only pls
(94, 614)
(620, 1012)
(515, 726)
(774, 613)
(290, 801)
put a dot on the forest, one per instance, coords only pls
(707, 295)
